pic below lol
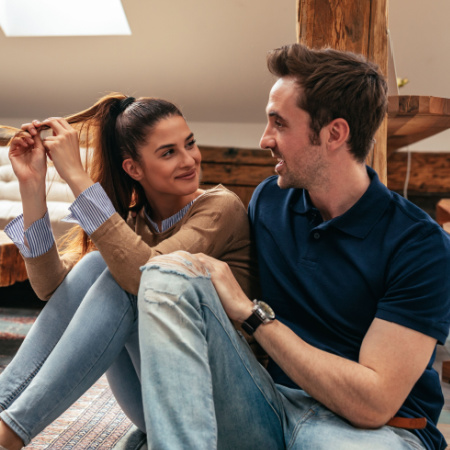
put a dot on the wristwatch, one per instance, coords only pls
(262, 313)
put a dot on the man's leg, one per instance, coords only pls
(91, 342)
(321, 429)
(202, 387)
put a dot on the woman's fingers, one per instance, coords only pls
(58, 124)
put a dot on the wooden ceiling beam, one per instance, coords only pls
(359, 26)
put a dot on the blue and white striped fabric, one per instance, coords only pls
(172, 220)
(36, 240)
(91, 209)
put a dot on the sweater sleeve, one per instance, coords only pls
(216, 224)
(46, 272)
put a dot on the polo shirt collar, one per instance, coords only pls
(362, 216)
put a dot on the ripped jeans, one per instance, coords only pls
(203, 388)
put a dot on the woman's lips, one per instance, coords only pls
(187, 175)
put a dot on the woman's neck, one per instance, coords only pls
(167, 206)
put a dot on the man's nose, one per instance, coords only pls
(267, 141)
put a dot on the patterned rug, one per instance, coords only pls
(95, 421)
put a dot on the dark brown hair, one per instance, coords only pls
(114, 129)
(335, 84)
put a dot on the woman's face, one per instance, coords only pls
(170, 160)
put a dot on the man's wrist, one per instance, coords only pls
(246, 312)
(261, 314)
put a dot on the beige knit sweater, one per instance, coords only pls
(216, 224)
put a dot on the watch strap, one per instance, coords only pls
(251, 324)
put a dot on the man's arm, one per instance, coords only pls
(367, 393)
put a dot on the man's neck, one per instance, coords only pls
(345, 189)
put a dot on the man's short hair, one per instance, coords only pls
(335, 84)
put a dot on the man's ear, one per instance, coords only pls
(132, 168)
(339, 132)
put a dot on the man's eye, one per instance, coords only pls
(190, 144)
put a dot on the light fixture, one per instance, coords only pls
(28, 18)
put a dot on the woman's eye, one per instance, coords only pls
(168, 152)
(190, 144)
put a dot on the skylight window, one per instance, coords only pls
(28, 18)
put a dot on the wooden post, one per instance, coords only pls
(359, 26)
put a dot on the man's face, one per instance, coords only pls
(287, 135)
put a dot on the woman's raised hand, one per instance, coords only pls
(64, 150)
(27, 155)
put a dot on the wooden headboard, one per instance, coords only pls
(240, 170)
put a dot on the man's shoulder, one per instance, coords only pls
(410, 216)
(268, 190)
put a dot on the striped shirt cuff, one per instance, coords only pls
(91, 208)
(36, 240)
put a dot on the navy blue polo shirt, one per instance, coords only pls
(327, 281)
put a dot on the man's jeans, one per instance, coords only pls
(203, 388)
(89, 324)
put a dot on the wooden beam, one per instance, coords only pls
(239, 170)
(429, 172)
(415, 117)
(360, 26)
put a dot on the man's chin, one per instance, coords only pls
(282, 183)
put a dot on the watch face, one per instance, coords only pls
(268, 311)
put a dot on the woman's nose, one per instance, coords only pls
(188, 158)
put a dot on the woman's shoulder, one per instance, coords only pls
(220, 194)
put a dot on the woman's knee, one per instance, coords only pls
(179, 262)
(173, 279)
(93, 259)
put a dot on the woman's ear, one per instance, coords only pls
(132, 168)
(339, 132)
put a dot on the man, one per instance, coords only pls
(356, 275)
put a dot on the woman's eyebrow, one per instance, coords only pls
(165, 146)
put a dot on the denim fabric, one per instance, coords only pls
(203, 388)
(77, 336)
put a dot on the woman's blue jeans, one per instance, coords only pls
(203, 388)
(88, 326)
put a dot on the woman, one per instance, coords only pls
(139, 198)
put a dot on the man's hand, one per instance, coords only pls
(236, 304)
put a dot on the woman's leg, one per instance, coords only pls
(124, 380)
(49, 327)
(93, 339)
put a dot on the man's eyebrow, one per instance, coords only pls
(190, 137)
(275, 114)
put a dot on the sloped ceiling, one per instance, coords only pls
(208, 56)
